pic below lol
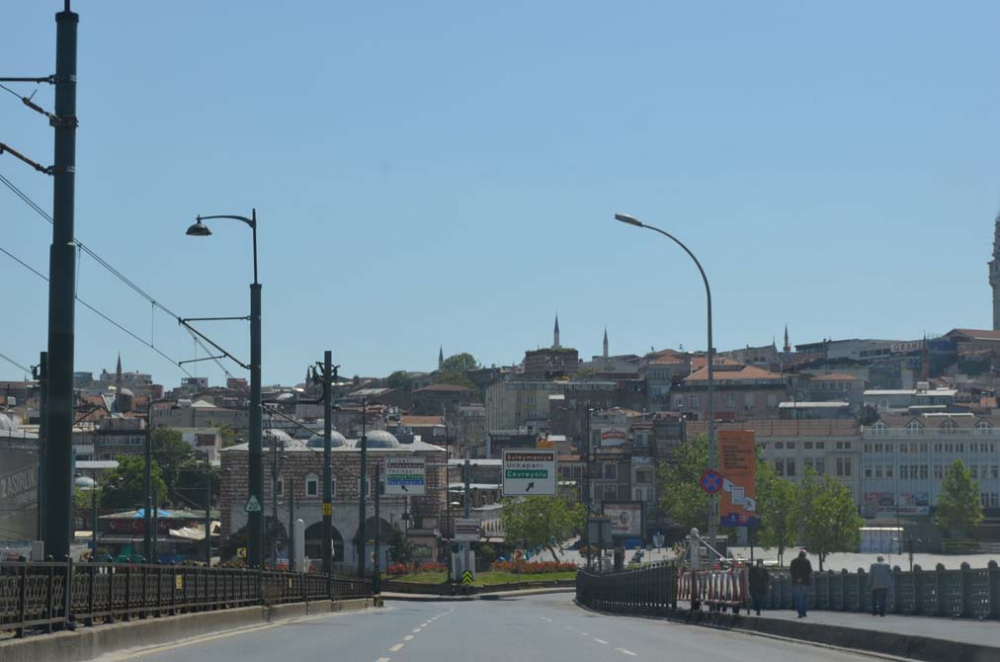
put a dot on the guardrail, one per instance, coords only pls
(35, 595)
(963, 593)
(648, 590)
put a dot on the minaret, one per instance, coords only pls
(555, 334)
(788, 345)
(119, 398)
(441, 357)
(995, 274)
(118, 371)
(605, 342)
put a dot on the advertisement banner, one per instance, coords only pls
(613, 436)
(738, 466)
(626, 518)
(18, 494)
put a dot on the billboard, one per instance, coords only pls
(885, 504)
(738, 466)
(626, 518)
(18, 494)
(613, 436)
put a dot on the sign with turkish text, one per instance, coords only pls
(466, 530)
(738, 466)
(613, 436)
(406, 476)
(529, 472)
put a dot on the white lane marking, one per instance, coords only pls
(397, 648)
(417, 630)
(586, 634)
(600, 641)
(547, 620)
(423, 625)
(408, 637)
(625, 651)
(382, 659)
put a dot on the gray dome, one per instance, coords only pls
(337, 440)
(86, 482)
(381, 439)
(282, 437)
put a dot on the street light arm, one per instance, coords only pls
(249, 221)
(252, 222)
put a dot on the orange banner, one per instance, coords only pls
(738, 466)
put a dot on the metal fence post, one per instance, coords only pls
(966, 571)
(22, 601)
(939, 589)
(918, 591)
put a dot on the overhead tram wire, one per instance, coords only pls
(15, 364)
(115, 272)
(99, 313)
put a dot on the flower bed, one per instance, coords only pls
(534, 568)
(412, 568)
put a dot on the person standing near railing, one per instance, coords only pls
(801, 570)
(759, 581)
(879, 580)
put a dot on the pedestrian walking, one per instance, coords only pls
(801, 579)
(879, 580)
(760, 585)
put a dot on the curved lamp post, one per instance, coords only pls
(713, 518)
(255, 523)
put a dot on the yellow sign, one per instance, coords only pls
(467, 577)
(327, 509)
(241, 553)
(179, 582)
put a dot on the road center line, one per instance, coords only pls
(547, 620)
(397, 648)
(408, 637)
(625, 651)
(600, 641)
(382, 659)
(417, 630)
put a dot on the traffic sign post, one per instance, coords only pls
(406, 476)
(711, 481)
(253, 505)
(529, 472)
(465, 530)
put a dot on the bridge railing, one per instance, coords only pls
(959, 593)
(35, 595)
(648, 590)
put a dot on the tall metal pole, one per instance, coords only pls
(62, 297)
(273, 446)
(362, 506)
(292, 563)
(327, 463)
(147, 480)
(255, 524)
(208, 520)
(156, 522)
(378, 526)
(43, 410)
(93, 519)
(589, 497)
(713, 517)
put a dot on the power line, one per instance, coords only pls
(98, 312)
(15, 363)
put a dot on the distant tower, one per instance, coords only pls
(555, 334)
(605, 342)
(788, 345)
(441, 357)
(995, 274)
(118, 371)
(119, 396)
(925, 360)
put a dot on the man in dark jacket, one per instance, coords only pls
(801, 579)
(759, 583)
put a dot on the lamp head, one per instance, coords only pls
(630, 220)
(199, 229)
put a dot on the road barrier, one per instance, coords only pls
(649, 590)
(35, 595)
(963, 593)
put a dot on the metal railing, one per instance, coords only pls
(648, 590)
(963, 593)
(35, 595)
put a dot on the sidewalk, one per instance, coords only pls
(917, 637)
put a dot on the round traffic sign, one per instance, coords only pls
(711, 481)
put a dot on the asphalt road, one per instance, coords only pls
(526, 629)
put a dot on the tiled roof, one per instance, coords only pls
(976, 334)
(443, 388)
(835, 377)
(935, 421)
(746, 373)
(700, 362)
(421, 421)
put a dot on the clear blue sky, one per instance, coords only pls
(446, 173)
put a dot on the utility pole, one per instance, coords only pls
(273, 445)
(292, 565)
(93, 519)
(208, 520)
(62, 297)
(41, 374)
(378, 527)
(587, 499)
(362, 506)
(156, 523)
(329, 374)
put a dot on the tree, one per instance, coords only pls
(541, 521)
(399, 380)
(778, 508)
(460, 363)
(400, 548)
(228, 435)
(171, 453)
(683, 499)
(124, 487)
(830, 520)
(457, 378)
(959, 509)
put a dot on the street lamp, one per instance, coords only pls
(713, 518)
(255, 523)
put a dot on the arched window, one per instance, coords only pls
(312, 485)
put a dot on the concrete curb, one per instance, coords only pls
(926, 649)
(499, 595)
(87, 643)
